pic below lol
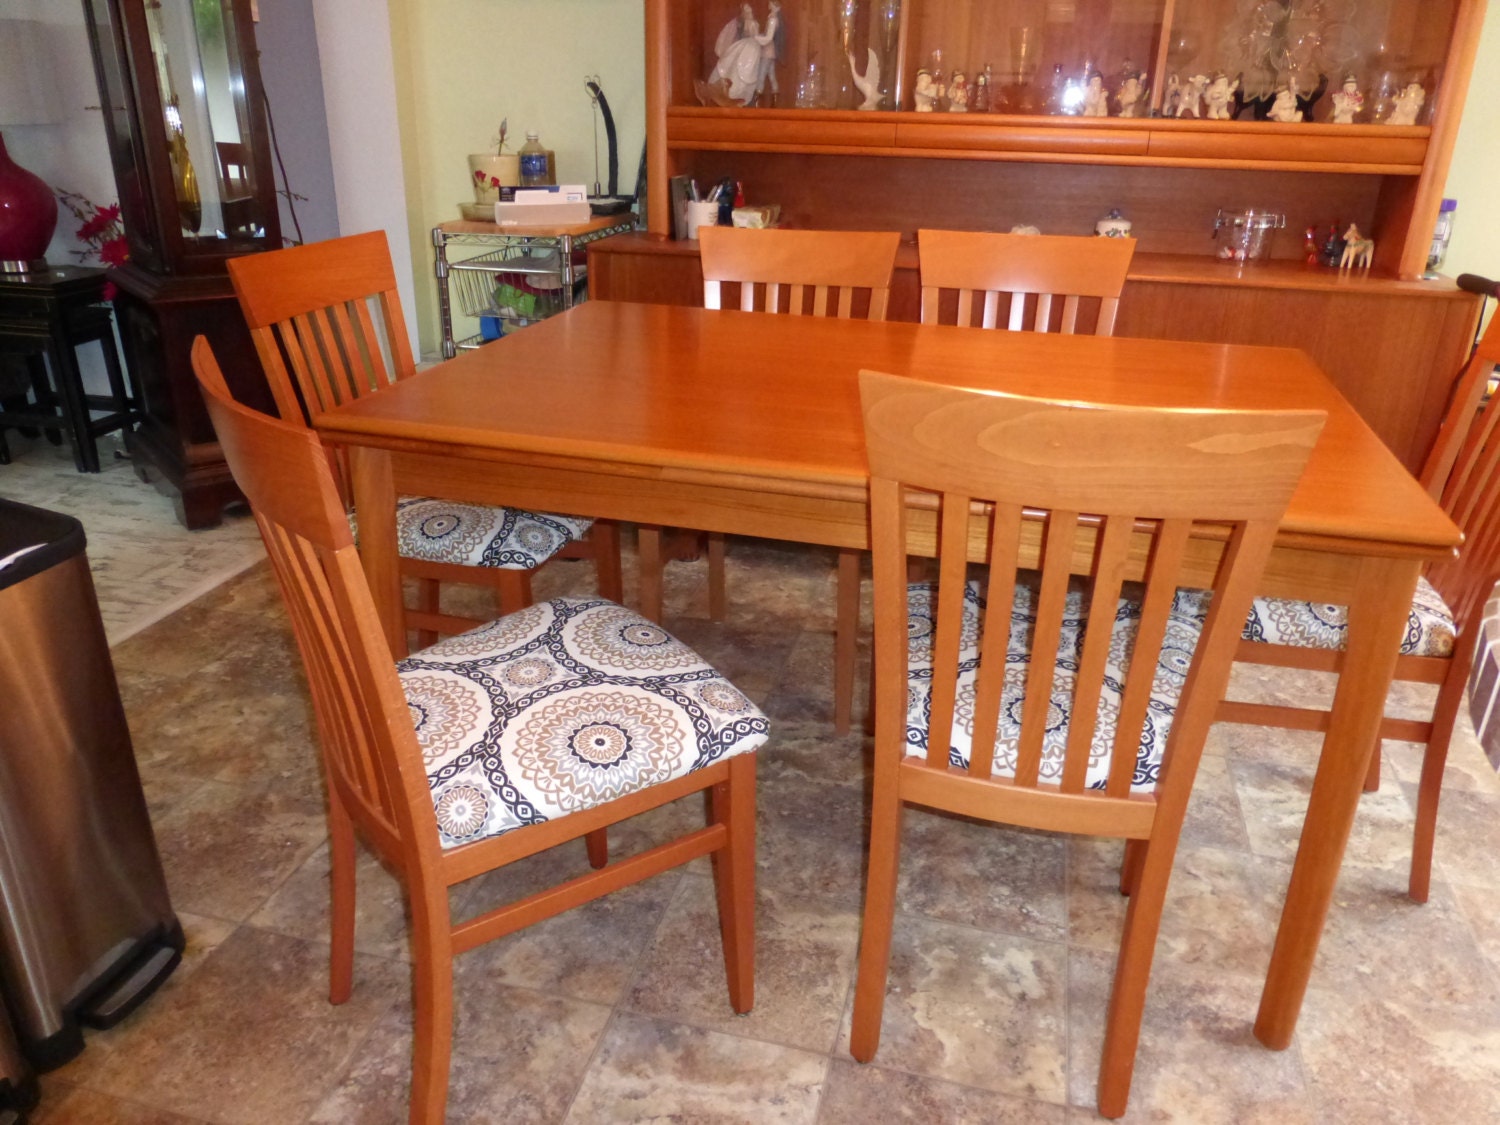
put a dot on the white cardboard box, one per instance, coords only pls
(554, 205)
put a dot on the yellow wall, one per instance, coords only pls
(1475, 171)
(462, 65)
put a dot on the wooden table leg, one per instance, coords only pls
(374, 488)
(648, 548)
(1378, 610)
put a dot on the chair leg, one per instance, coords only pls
(879, 916)
(604, 537)
(1130, 868)
(513, 587)
(1430, 789)
(732, 803)
(1372, 775)
(429, 595)
(845, 640)
(648, 571)
(432, 1024)
(341, 904)
(717, 601)
(597, 843)
(1127, 999)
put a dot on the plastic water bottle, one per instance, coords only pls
(533, 162)
(1440, 235)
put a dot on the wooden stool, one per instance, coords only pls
(44, 317)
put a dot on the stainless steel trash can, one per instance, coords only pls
(86, 928)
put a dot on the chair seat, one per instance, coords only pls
(1429, 629)
(1184, 627)
(442, 531)
(561, 707)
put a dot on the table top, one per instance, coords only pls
(775, 399)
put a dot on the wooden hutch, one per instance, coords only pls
(1390, 340)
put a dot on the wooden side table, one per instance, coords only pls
(44, 317)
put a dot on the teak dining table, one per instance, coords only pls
(750, 424)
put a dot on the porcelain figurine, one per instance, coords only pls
(958, 93)
(1190, 104)
(1284, 107)
(772, 46)
(1095, 98)
(868, 83)
(741, 71)
(1131, 98)
(1347, 102)
(1217, 97)
(1359, 251)
(925, 95)
(1408, 105)
(980, 102)
(1113, 225)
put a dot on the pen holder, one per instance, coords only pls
(701, 213)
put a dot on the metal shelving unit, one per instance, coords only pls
(516, 275)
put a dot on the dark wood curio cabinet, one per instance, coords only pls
(184, 115)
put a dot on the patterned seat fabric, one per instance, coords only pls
(1429, 628)
(442, 531)
(1185, 625)
(562, 707)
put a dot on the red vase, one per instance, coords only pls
(28, 214)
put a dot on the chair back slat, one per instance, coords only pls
(811, 264)
(1100, 480)
(1047, 266)
(369, 744)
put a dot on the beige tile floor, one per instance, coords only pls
(617, 1012)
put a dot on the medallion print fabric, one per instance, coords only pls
(1185, 625)
(474, 535)
(1429, 628)
(562, 707)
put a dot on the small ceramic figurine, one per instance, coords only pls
(1190, 102)
(1131, 98)
(1095, 99)
(925, 95)
(1217, 97)
(1113, 225)
(772, 45)
(1347, 102)
(981, 99)
(958, 93)
(1408, 105)
(737, 77)
(868, 83)
(1358, 250)
(1284, 108)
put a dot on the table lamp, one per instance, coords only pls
(28, 209)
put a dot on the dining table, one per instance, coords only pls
(746, 423)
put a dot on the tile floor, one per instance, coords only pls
(617, 1011)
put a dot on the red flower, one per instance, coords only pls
(94, 227)
(494, 181)
(479, 175)
(109, 214)
(114, 251)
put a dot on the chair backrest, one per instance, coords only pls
(1463, 474)
(1033, 269)
(370, 748)
(234, 166)
(1041, 491)
(326, 320)
(801, 262)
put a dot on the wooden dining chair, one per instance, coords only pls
(537, 729)
(327, 324)
(1047, 278)
(1462, 473)
(796, 272)
(1082, 703)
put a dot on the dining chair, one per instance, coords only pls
(1045, 277)
(796, 272)
(1082, 703)
(327, 323)
(1462, 472)
(539, 728)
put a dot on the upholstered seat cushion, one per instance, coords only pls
(1184, 628)
(562, 707)
(1429, 628)
(474, 535)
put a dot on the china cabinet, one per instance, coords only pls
(1032, 156)
(185, 122)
